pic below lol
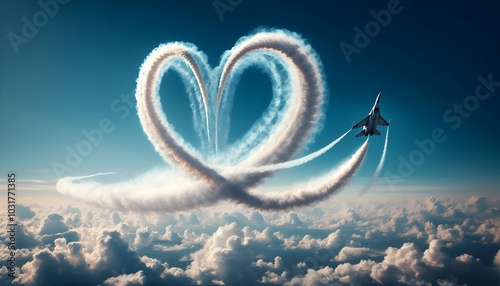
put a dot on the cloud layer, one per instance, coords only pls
(436, 241)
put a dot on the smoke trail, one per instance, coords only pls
(280, 85)
(303, 110)
(289, 135)
(305, 93)
(367, 187)
(185, 193)
(312, 192)
(290, 123)
(299, 161)
(165, 140)
(159, 190)
(197, 102)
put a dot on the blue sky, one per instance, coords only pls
(70, 74)
(433, 221)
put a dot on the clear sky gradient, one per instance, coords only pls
(80, 68)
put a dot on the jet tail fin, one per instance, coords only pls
(376, 132)
(360, 134)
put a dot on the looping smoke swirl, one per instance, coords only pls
(218, 171)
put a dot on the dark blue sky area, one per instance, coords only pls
(71, 73)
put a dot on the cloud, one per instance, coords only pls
(53, 227)
(348, 253)
(145, 237)
(403, 246)
(24, 212)
(265, 237)
(466, 258)
(135, 279)
(357, 274)
(454, 234)
(346, 273)
(476, 204)
(402, 265)
(53, 224)
(496, 261)
(111, 262)
(171, 235)
(334, 239)
(433, 256)
(405, 265)
(277, 264)
(273, 278)
(114, 254)
(324, 276)
(63, 266)
(24, 238)
(225, 256)
(435, 206)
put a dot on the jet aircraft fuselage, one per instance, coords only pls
(370, 122)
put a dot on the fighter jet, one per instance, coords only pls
(371, 121)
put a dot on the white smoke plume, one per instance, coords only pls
(304, 194)
(367, 187)
(299, 161)
(290, 123)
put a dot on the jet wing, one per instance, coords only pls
(382, 121)
(363, 122)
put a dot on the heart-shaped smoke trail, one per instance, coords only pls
(293, 118)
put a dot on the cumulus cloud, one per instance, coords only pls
(348, 253)
(426, 241)
(24, 212)
(266, 237)
(399, 265)
(53, 227)
(135, 279)
(496, 261)
(466, 258)
(53, 224)
(333, 240)
(273, 278)
(145, 237)
(433, 256)
(171, 235)
(64, 265)
(111, 262)
(453, 234)
(324, 276)
(224, 253)
(24, 238)
(357, 274)
(476, 204)
(277, 264)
